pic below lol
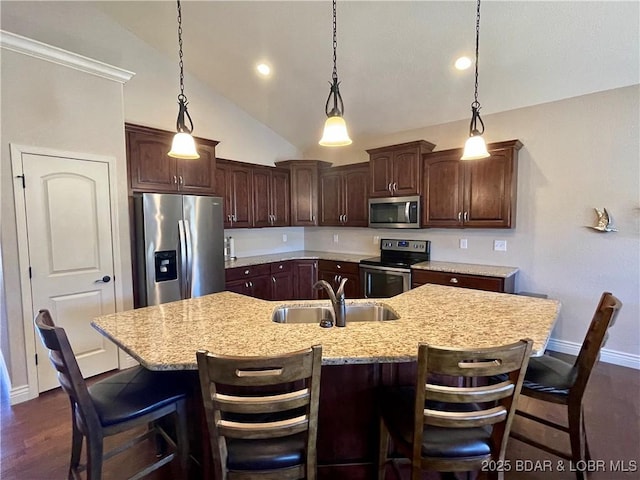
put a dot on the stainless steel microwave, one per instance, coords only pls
(394, 212)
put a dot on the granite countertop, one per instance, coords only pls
(166, 337)
(295, 255)
(449, 267)
(467, 268)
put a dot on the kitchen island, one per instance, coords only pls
(356, 359)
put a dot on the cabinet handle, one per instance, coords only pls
(273, 279)
(335, 279)
(181, 180)
(233, 217)
(389, 187)
(175, 179)
(459, 216)
(466, 216)
(313, 218)
(251, 284)
(246, 284)
(339, 279)
(453, 280)
(345, 218)
(395, 187)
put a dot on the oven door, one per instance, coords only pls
(384, 282)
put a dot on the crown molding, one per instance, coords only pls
(36, 49)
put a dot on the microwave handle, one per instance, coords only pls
(407, 213)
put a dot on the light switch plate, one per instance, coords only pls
(500, 245)
(335, 238)
(463, 243)
(284, 238)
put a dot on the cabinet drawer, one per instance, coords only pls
(281, 267)
(239, 273)
(333, 266)
(492, 284)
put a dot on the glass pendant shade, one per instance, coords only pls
(183, 146)
(475, 148)
(335, 133)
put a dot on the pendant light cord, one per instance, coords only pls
(183, 114)
(335, 43)
(475, 98)
(180, 51)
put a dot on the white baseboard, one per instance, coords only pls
(19, 394)
(606, 355)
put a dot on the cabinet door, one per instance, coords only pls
(239, 184)
(238, 286)
(198, 176)
(443, 182)
(150, 168)
(282, 286)
(223, 189)
(330, 198)
(380, 173)
(406, 172)
(305, 275)
(304, 195)
(352, 287)
(356, 196)
(261, 287)
(261, 197)
(280, 198)
(489, 196)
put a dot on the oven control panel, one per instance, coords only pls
(413, 246)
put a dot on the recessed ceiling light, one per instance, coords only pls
(463, 63)
(263, 69)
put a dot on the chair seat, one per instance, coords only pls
(549, 375)
(135, 392)
(266, 454)
(397, 410)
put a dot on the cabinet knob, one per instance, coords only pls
(453, 280)
(338, 266)
(280, 267)
(246, 272)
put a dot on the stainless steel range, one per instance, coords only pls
(390, 273)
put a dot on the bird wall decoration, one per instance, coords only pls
(604, 221)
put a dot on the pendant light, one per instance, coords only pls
(475, 147)
(335, 129)
(183, 145)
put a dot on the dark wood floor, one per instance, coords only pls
(35, 436)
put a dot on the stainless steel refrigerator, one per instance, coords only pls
(178, 247)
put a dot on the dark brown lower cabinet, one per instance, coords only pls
(477, 282)
(333, 272)
(282, 279)
(305, 275)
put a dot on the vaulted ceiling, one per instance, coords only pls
(395, 59)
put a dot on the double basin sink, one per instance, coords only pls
(320, 313)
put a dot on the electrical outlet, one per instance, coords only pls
(376, 240)
(500, 245)
(463, 243)
(335, 238)
(284, 238)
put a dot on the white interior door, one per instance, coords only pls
(68, 216)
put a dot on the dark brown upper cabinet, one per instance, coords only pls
(152, 170)
(344, 195)
(472, 193)
(396, 170)
(270, 197)
(304, 176)
(234, 184)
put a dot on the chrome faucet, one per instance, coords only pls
(337, 302)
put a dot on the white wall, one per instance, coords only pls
(578, 154)
(47, 105)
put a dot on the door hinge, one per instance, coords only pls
(30, 273)
(23, 182)
(36, 359)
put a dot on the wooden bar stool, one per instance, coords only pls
(454, 428)
(125, 400)
(550, 379)
(262, 414)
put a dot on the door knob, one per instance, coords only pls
(105, 279)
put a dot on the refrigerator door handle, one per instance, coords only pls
(189, 273)
(183, 259)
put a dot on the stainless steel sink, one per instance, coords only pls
(295, 314)
(314, 314)
(370, 313)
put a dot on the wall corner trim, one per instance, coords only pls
(36, 49)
